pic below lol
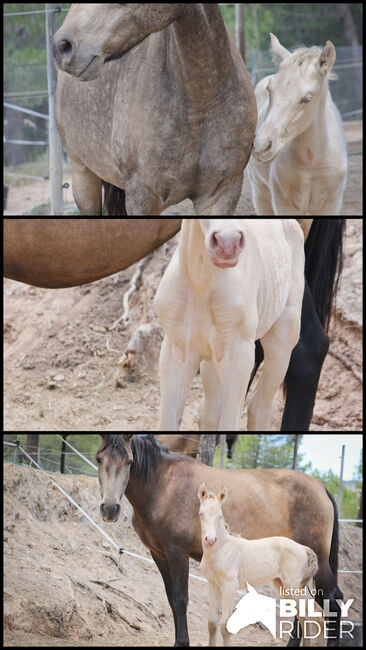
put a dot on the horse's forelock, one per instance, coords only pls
(304, 57)
(115, 443)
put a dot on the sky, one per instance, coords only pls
(324, 451)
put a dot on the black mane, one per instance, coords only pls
(145, 448)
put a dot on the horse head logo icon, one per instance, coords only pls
(253, 608)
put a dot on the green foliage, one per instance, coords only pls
(260, 450)
(50, 454)
(311, 23)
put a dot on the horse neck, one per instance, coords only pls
(139, 492)
(193, 256)
(311, 144)
(199, 47)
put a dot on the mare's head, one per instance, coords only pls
(94, 33)
(212, 519)
(114, 458)
(224, 241)
(294, 96)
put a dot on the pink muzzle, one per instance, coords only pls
(225, 248)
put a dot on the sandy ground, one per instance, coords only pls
(60, 581)
(22, 200)
(61, 371)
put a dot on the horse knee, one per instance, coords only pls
(212, 627)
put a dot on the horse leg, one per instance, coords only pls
(227, 597)
(233, 372)
(261, 197)
(163, 566)
(174, 570)
(211, 408)
(214, 615)
(141, 201)
(86, 188)
(223, 201)
(277, 344)
(177, 371)
(304, 370)
(328, 589)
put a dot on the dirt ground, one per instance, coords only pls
(61, 358)
(61, 586)
(23, 200)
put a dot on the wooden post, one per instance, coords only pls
(222, 450)
(63, 452)
(55, 144)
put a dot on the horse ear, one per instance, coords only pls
(202, 492)
(279, 53)
(251, 589)
(327, 58)
(128, 436)
(223, 494)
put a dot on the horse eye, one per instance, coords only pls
(305, 100)
(98, 461)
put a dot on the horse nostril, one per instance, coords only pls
(214, 243)
(64, 50)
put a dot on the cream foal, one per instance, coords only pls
(229, 283)
(230, 562)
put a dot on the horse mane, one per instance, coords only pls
(303, 57)
(146, 452)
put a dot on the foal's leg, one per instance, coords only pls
(214, 616)
(86, 188)
(233, 372)
(228, 590)
(210, 410)
(177, 371)
(277, 344)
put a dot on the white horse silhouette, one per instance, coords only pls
(253, 608)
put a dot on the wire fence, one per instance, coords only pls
(30, 458)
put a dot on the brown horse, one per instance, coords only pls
(172, 116)
(162, 489)
(56, 253)
(188, 444)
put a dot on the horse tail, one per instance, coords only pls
(324, 264)
(334, 546)
(114, 200)
(312, 566)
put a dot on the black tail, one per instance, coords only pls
(333, 555)
(324, 264)
(114, 200)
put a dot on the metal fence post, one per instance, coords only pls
(55, 143)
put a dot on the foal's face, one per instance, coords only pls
(113, 474)
(210, 514)
(224, 240)
(293, 100)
